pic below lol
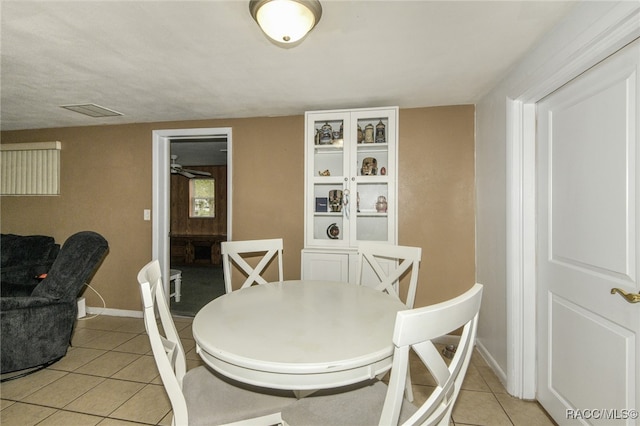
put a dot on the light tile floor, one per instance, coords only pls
(109, 378)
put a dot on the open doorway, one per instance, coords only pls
(192, 205)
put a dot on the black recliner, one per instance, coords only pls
(36, 329)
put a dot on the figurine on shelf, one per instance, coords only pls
(360, 134)
(380, 133)
(325, 173)
(383, 171)
(369, 167)
(333, 231)
(381, 205)
(335, 200)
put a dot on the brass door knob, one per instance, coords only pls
(629, 297)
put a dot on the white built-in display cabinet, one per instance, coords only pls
(351, 170)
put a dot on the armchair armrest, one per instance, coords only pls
(26, 342)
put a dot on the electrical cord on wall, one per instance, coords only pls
(104, 305)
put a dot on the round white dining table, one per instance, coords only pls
(298, 335)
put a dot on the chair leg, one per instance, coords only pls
(178, 284)
(176, 277)
(408, 390)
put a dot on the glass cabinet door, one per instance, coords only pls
(327, 175)
(373, 167)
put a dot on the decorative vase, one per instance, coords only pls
(325, 134)
(368, 133)
(381, 205)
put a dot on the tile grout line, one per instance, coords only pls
(108, 416)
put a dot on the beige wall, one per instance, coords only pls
(106, 185)
(436, 197)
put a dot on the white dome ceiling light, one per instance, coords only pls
(286, 21)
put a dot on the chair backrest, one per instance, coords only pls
(415, 328)
(233, 251)
(78, 260)
(167, 350)
(390, 263)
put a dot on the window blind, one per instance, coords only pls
(30, 168)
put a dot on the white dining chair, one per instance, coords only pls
(198, 396)
(389, 264)
(233, 253)
(384, 404)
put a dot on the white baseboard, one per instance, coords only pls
(82, 308)
(113, 312)
(502, 376)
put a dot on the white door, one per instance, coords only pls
(587, 223)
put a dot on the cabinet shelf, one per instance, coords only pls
(373, 147)
(372, 179)
(328, 180)
(360, 214)
(329, 149)
(372, 214)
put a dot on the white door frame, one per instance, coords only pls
(610, 33)
(160, 225)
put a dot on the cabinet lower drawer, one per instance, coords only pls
(339, 266)
(327, 266)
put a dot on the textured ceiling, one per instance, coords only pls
(183, 60)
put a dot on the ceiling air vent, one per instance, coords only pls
(92, 110)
